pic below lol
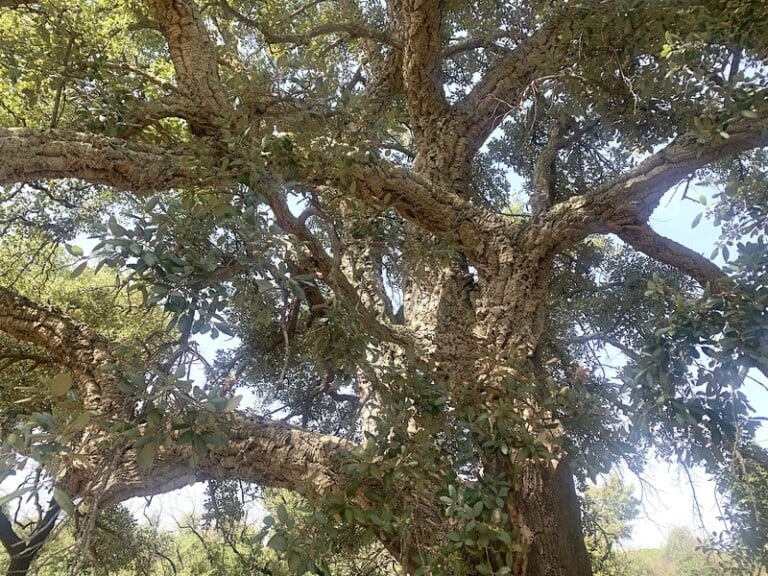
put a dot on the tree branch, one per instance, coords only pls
(644, 239)
(701, 269)
(605, 339)
(639, 191)
(30, 155)
(502, 88)
(71, 343)
(8, 537)
(469, 44)
(631, 198)
(194, 58)
(45, 527)
(260, 451)
(351, 29)
(173, 106)
(541, 198)
(420, 25)
(419, 201)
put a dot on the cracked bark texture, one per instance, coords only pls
(475, 312)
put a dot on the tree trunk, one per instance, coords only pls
(551, 511)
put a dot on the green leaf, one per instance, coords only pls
(145, 455)
(278, 542)
(697, 219)
(74, 250)
(44, 419)
(13, 495)
(116, 228)
(79, 269)
(64, 501)
(232, 403)
(61, 384)
(80, 421)
(150, 259)
(224, 328)
(282, 514)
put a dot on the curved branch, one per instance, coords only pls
(48, 154)
(23, 552)
(639, 191)
(261, 451)
(71, 343)
(8, 537)
(419, 201)
(194, 58)
(631, 198)
(173, 106)
(352, 30)
(701, 269)
(503, 87)
(644, 239)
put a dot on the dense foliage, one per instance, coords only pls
(420, 226)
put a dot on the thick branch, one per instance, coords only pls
(541, 198)
(8, 537)
(71, 343)
(420, 23)
(503, 87)
(630, 199)
(30, 155)
(22, 552)
(173, 106)
(640, 190)
(260, 451)
(690, 262)
(422, 203)
(45, 527)
(193, 55)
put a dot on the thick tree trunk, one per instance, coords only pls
(551, 511)
(543, 508)
(543, 511)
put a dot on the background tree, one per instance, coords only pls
(331, 182)
(681, 555)
(609, 510)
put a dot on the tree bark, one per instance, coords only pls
(551, 511)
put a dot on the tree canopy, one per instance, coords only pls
(424, 226)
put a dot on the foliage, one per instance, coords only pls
(319, 543)
(681, 555)
(743, 548)
(609, 510)
(327, 187)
